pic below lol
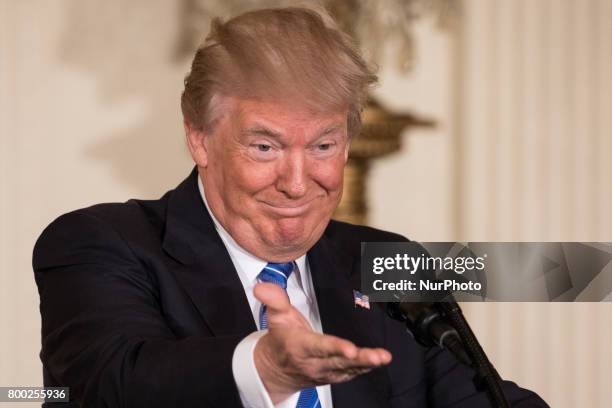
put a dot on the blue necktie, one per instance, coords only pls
(278, 273)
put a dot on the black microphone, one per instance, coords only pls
(429, 327)
(425, 321)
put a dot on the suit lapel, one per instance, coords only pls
(204, 267)
(331, 274)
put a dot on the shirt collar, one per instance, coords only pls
(246, 262)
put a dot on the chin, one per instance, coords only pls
(297, 232)
(290, 231)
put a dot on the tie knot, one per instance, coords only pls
(276, 273)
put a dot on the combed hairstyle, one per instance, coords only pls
(295, 56)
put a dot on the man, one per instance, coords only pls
(236, 288)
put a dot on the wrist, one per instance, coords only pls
(277, 383)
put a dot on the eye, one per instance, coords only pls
(263, 151)
(263, 147)
(324, 146)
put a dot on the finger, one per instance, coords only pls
(325, 345)
(337, 369)
(347, 373)
(273, 296)
(373, 356)
(333, 377)
(366, 359)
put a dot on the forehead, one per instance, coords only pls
(284, 116)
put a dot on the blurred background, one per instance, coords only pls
(511, 141)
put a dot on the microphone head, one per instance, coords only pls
(419, 319)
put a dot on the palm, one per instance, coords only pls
(291, 356)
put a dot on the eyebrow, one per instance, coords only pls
(331, 129)
(261, 130)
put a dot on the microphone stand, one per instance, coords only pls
(486, 376)
(443, 324)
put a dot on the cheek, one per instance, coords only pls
(251, 179)
(330, 175)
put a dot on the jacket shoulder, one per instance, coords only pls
(97, 233)
(338, 229)
(350, 236)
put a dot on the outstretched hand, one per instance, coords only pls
(291, 356)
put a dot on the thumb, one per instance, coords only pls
(273, 296)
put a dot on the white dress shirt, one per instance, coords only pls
(302, 296)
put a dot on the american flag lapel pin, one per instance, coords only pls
(361, 300)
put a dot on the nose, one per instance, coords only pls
(293, 175)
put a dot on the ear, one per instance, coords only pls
(196, 142)
(347, 147)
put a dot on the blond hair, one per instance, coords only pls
(291, 55)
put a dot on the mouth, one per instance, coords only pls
(289, 209)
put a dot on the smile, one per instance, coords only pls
(289, 209)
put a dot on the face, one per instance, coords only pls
(272, 175)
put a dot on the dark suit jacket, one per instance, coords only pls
(141, 307)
